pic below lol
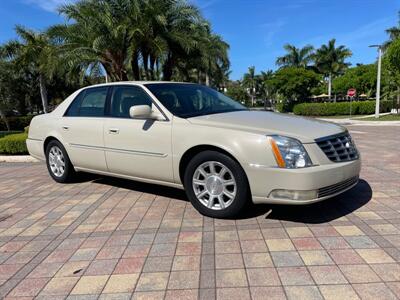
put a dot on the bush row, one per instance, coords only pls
(16, 123)
(4, 133)
(340, 108)
(14, 144)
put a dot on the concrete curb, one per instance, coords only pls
(17, 158)
(361, 123)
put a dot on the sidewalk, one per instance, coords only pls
(360, 122)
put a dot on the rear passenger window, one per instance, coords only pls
(93, 103)
(90, 103)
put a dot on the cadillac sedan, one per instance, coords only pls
(192, 137)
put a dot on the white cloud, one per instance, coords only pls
(48, 5)
(271, 30)
(362, 35)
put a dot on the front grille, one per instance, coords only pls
(339, 147)
(337, 188)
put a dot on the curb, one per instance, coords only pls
(17, 158)
(361, 123)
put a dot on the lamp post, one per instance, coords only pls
(378, 81)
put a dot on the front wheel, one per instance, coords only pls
(58, 163)
(216, 184)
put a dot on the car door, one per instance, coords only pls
(82, 129)
(136, 147)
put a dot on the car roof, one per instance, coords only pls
(136, 83)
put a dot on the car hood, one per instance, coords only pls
(304, 129)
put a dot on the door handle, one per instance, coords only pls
(113, 130)
(65, 127)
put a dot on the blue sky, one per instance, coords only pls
(256, 29)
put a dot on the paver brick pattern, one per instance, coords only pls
(104, 238)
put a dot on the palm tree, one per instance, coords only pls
(265, 88)
(250, 82)
(101, 34)
(36, 50)
(330, 61)
(296, 57)
(394, 34)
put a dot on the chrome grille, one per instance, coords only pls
(337, 188)
(339, 147)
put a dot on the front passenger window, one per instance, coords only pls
(124, 97)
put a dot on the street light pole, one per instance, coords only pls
(378, 80)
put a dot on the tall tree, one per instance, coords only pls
(98, 33)
(296, 57)
(394, 34)
(331, 61)
(250, 82)
(392, 66)
(36, 51)
(265, 88)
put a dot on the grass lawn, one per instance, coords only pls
(382, 118)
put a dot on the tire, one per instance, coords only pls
(66, 172)
(216, 176)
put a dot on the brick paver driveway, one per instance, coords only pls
(109, 238)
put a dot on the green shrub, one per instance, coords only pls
(340, 108)
(14, 144)
(16, 123)
(4, 133)
(285, 106)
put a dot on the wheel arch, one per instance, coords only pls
(193, 151)
(48, 140)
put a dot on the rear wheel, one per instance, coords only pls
(58, 163)
(216, 184)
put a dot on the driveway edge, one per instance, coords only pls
(17, 158)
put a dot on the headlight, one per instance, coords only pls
(289, 153)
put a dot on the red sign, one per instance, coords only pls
(351, 92)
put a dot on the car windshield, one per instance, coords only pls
(192, 100)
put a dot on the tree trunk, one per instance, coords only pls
(135, 66)
(43, 94)
(398, 100)
(330, 86)
(168, 68)
(3, 117)
(152, 64)
(207, 80)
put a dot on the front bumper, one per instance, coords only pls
(326, 180)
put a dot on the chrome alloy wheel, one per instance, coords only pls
(56, 161)
(214, 185)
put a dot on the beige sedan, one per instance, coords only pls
(192, 137)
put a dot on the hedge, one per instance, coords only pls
(340, 108)
(4, 133)
(16, 123)
(14, 144)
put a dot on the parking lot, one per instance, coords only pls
(117, 239)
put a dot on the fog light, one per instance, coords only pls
(293, 195)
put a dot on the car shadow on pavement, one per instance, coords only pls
(141, 187)
(316, 213)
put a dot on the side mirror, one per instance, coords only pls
(140, 111)
(144, 112)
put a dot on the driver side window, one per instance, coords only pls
(124, 97)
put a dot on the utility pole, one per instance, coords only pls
(378, 80)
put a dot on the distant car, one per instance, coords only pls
(192, 137)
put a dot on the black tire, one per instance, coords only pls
(242, 187)
(69, 172)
